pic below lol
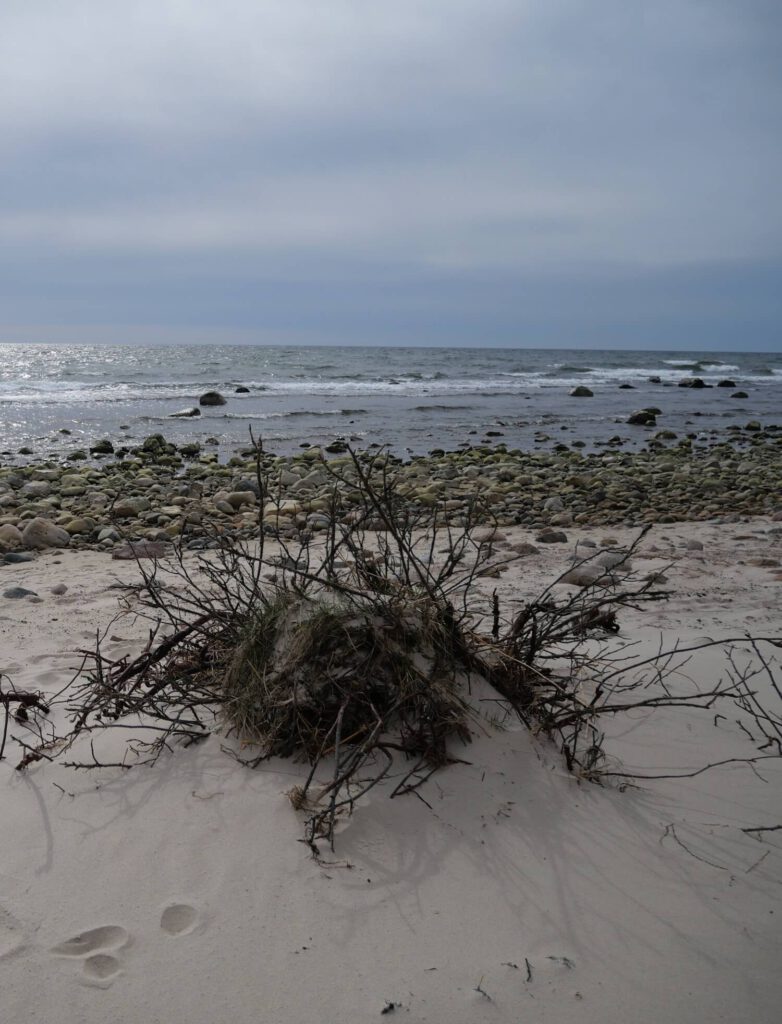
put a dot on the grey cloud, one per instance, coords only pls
(426, 151)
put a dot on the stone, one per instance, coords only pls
(554, 504)
(36, 489)
(81, 524)
(41, 533)
(753, 426)
(211, 398)
(59, 589)
(585, 576)
(726, 384)
(128, 508)
(611, 559)
(487, 535)
(627, 387)
(581, 392)
(739, 394)
(642, 418)
(693, 382)
(241, 390)
(141, 549)
(16, 557)
(16, 593)
(549, 536)
(10, 536)
(238, 498)
(103, 447)
(185, 413)
(694, 545)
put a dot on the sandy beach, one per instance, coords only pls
(181, 892)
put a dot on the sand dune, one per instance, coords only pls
(181, 893)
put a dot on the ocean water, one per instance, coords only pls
(412, 399)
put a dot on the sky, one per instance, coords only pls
(440, 172)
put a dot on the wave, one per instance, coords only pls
(701, 365)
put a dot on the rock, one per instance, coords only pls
(337, 447)
(524, 548)
(585, 576)
(211, 398)
(581, 392)
(642, 418)
(10, 536)
(81, 524)
(15, 593)
(554, 504)
(726, 384)
(36, 489)
(41, 533)
(191, 450)
(627, 387)
(238, 498)
(59, 589)
(739, 394)
(763, 563)
(753, 426)
(15, 557)
(241, 390)
(103, 447)
(549, 536)
(611, 559)
(694, 545)
(128, 508)
(487, 535)
(108, 533)
(655, 380)
(185, 413)
(692, 382)
(77, 456)
(141, 549)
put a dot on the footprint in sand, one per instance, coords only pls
(179, 919)
(94, 948)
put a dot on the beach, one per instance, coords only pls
(510, 892)
(511, 889)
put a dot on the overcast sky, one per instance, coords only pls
(487, 172)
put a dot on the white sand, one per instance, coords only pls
(207, 909)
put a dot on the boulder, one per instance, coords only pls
(581, 392)
(642, 418)
(10, 536)
(127, 508)
(739, 394)
(726, 384)
(549, 536)
(184, 413)
(241, 390)
(141, 549)
(41, 533)
(211, 398)
(103, 447)
(693, 382)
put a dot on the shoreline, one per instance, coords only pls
(164, 494)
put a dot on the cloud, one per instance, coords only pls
(410, 142)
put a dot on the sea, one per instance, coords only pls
(56, 398)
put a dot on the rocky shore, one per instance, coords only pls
(160, 494)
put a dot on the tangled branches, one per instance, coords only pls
(355, 651)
